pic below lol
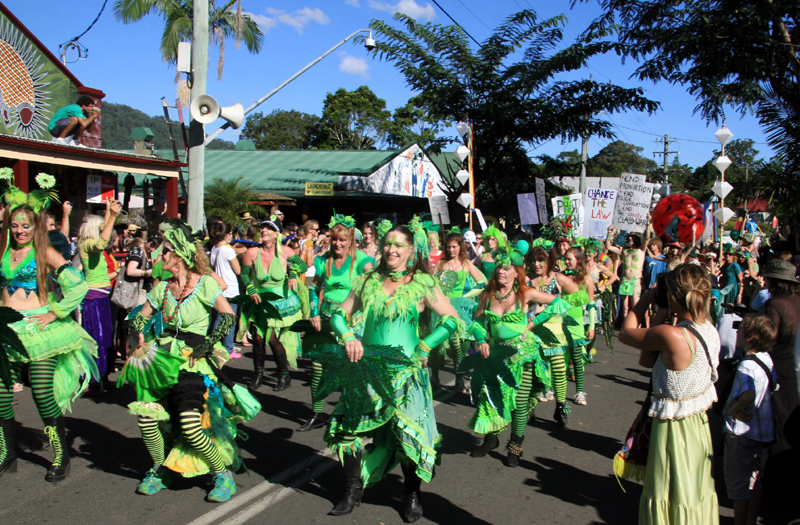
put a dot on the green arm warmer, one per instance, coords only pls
(315, 290)
(224, 325)
(249, 289)
(478, 330)
(297, 266)
(557, 307)
(73, 289)
(447, 327)
(339, 326)
(592, 316)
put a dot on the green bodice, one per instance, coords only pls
(272, 278)
(507, 326)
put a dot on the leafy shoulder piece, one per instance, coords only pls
(375, 371)
(487, 373)
(9, 341)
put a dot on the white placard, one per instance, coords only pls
(528, 211)
(541, 201)
(100, 188)
(481, 221)
(439, 211)
(633, 203)
(576, 201)
(599, 212)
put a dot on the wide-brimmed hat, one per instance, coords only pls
(246, 216)
(132, 228)
(781, 270)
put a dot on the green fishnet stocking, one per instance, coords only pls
(519, 416)
(559, 373)
(42, 373)
(194, 435)
(153, 439)
(316, 377)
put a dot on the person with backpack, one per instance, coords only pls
(749, 423)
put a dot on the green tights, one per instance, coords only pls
(192, 432)
(519, 416)
(558, 370)
(42, 373)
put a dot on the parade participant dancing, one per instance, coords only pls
(274, 269)
(392, 299)
(492, 240)
(60, 353)
(503, 313)
(605, 303)
(453, 272)
(336, 271)
(551, 332)
(172, 364)
(577, 335)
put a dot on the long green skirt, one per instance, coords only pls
(678, 485)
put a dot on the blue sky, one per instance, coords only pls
(125, 63)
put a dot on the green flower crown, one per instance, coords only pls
(506, 257)
(38, 200)
(454, 231)
(345, 220)
(382, 227)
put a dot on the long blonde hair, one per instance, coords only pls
(337, 230)
(40, 242)
(90, 229)
(689, 287)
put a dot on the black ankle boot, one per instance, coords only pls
(318, 420)
(411, 483)
(284, 382)
(8, 454)
(354, 490)
(514, 450)
(490, 442)
(561, 414)
(461, 385)
(57, 432)
(258, 366)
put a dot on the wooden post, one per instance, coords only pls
(172, 198)
(21, 175)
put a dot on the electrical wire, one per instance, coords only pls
(93, 21)
(473, 14)
(83, 51)
(456, 23)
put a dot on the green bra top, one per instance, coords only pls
(508, 325)
(273, 278)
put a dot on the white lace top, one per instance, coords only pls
(678, 395)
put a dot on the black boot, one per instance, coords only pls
(514, 450)
(490, 442)
(461, 385)
(259, 355)
(8, 454)
(318, 420)
(55, 430)
(561, 414)
(284, 379)
(411, 483)
(355, 487)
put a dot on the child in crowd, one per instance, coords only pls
(748, 417)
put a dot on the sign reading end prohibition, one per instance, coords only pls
(319, 189)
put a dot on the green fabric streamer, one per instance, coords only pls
(487, 373)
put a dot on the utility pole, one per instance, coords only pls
(197, 134)
(666, 140)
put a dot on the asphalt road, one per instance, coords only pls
(565, 475)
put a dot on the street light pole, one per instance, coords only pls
(370, 45)
(194, 215)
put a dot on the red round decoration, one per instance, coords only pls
(675, 215)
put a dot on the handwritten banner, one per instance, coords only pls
(576, 211)
(541, 201)
(528, 211)
(599, 211)
(439, 211)
(633, 203)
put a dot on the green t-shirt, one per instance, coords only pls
(73, 110)
(94, 263)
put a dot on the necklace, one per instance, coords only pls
(396, 276)
(19, 250)
(181, 299)
(506, 296)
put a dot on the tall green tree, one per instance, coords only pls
(353, 120)
(619, 157)
(411, 123)
(281, 130)
(515, 105)
(224, 23)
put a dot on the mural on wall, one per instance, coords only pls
(23, 94)
(410, 174)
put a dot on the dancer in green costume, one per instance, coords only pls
(172, 365)
(275, 270)
(492, 240)
(60, 353)
(577, 335)
(453, 272)
(392, 299)
(503, 313)
(551, 333)
(336, 271)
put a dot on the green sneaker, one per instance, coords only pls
(157, 478)
(224, 487)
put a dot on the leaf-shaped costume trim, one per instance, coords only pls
(405, 297)
(487, 373)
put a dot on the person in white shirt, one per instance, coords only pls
(226, 265)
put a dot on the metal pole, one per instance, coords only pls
(721, 206)
(197, 148)
(471, 177)
(584, 159)
(285, 82)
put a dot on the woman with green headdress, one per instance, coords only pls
(493, 239)
(395, 406)
(174, 365)
(336, 271)
(502, 320)
(578, 336)
(271, 300)
(454, 274)
(60, 354)
(603, 278)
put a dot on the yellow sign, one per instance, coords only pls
(319, 189)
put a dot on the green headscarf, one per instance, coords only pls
(184, 247)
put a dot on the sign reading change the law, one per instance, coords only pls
(633, 203)
(599, 210)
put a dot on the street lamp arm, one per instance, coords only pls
(263, 99)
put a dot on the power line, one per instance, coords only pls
(456, 23)
(476, 16)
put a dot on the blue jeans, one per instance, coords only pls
(228, 340)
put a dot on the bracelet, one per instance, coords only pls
(348, 336)
(424, 350)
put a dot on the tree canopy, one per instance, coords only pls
(619, 157)
(281, 130)
(353, 120)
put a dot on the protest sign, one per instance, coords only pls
(528, 211)
(439, 213)
(599, 211)
(633, 203)
(541, 201)
(575, 210)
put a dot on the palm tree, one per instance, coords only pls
(230, 199)
(223, 23)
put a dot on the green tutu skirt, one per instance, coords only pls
(74, 349)
(289, 308)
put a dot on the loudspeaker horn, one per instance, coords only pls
(233, 114)
(204, 109)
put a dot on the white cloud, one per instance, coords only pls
(298, 20)
(353, 3)
(353, 65)
(407, 7)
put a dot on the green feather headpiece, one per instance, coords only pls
(454, 231)
(382, 227)
(491, 231)
(421, 245)
(345, 220)
(38, 200)
(590, 245)
(545, 244)
(506, 257)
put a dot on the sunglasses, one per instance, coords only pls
(166, 250)
(315, 229)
